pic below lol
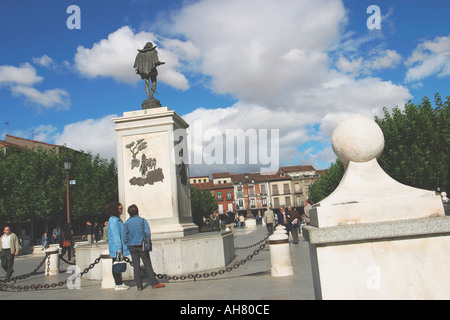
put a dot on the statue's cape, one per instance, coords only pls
(145, 62)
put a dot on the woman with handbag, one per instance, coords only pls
(117, 248)
(136, 235)
(66, 241)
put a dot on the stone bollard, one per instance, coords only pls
(280, 256)
(107, 277)
(52, 261)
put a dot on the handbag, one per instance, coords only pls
(146, 243)
(67, 244)
(119, 266)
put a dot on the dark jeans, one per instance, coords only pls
(117, 276)
(136, 255)
(294, 232)
(7, 262)
(69, 252)
(269, 227)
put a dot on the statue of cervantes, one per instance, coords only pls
(145, 64)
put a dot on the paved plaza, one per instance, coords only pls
(250, 282)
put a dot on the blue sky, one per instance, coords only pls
(297, 66)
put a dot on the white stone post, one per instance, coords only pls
(52, 261)
(280, 256)
(107, 277)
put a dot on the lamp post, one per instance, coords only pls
(67, 167)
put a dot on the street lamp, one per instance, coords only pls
(67, 167)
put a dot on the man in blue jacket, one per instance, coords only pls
(135, 230)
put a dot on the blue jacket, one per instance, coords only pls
(134, 229)
(115, 239)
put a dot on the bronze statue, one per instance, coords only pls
(145, 64)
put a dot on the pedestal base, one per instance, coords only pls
(388, 260)
(151, 103)
(171, 256)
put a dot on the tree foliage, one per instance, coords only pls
(416, 151)
(33, 184)
(417, 143)
(203, 203)
(323, 187)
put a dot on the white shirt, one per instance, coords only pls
(6, 241)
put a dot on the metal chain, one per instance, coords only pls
(3, 284)
(262, 245)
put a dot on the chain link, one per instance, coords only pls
(195, 276)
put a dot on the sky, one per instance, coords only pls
(286, 71)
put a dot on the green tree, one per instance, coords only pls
(323, 187)
(203, 203)
(417, 143)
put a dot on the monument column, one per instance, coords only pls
(153, 170)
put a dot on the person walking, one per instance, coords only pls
(295, 221)
(89, 232)
(116, 245)
(9, 249)
(269, 220)
(67, 241)
(284, 218)
(308, 207)
(135, 230)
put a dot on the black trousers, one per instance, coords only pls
(117, 276)
(7, 262)
(137, 254)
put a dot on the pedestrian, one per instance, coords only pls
(284, 218)
(56, 235)
(89, 232)
(295, 221)
(115, 241)
(230, 221)
(67, 241)
(44, 240)
(269, 220)
(105, 231)
(308, 207)
(9, 249)
(241, 221)
(97, 231)
(135, 231)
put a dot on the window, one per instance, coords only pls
(297, 187)
(275, 189)
(251, 190)
(262, 187)
(252, 203)
(276, 202)
(287, 201)
(229, 197)
(219, 196)
(286, 188)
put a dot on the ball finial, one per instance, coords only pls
(357, 139)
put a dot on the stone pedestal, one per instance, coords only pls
(51, 263)
(280, 257)
(373, 237)
(153, 170)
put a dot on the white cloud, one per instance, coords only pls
(114, 57)
(431, 57)
(24, 75)
(58, 98)
(280, 68)
(44, 61)
(95, 135)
